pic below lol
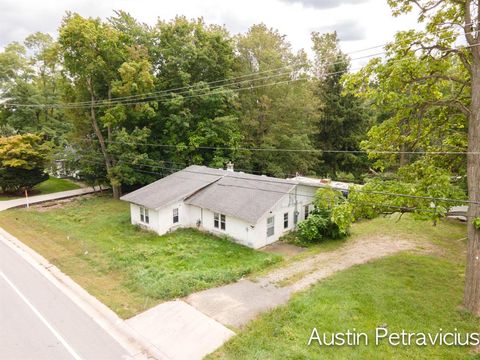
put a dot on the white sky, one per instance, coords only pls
(360, 23)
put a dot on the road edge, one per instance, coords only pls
(138, 346)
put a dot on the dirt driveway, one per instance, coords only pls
(238, 303)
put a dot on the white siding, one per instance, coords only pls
(285, 205)
(277, 212)
(305, 196)
(166, 217)
(237, 229)
(161, 221)
(252, 235)
(135, 218)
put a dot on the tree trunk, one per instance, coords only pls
(114, 183)
(472, 277)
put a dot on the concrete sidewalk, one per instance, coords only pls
(238, 303)
(8, 204)
(180, 331)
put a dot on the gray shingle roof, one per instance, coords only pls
(247, 197)
(174, 187)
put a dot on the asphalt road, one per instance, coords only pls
(38, 321)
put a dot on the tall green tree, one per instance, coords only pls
(343, 119)
(30, 74)
(412, 91)
(277, 111)
(441, 79)
(197, 115)
(101, 66)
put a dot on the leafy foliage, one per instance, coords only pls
(279, 116)
(342, 117)
(181, 107)
(22, 161)
(421, 195)
(100, 62)
(476, 223)
(415, 95)
(331, 218)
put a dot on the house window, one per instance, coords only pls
(219, 221)
(222, 222)
(285, 220)
(306, 212)
(144, 217)
(295, 217)
(270, 226)
(175, 215)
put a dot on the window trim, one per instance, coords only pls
(144, 215)
(285, 220)
(271, 226)
(175, 217)
(220, 221)
(223, 222)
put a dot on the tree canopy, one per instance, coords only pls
(23, 159)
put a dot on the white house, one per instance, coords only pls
(251, 209)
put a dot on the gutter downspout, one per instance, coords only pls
(295, 214)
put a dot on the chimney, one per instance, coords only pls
(230, 166)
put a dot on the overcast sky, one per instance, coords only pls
(360, 23)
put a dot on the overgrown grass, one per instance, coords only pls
(448, 233)
(127, 268)
(418, 293)
(407, 291)
(49, 186)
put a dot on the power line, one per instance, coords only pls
(142, 98)
(294, 182)
(102, 103)
(153, 99)
(385, 152)
(267, 71)
(107, 102)
(380, 205)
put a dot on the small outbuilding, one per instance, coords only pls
(253, 210)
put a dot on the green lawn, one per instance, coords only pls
(127, 268)
(411, 291)
(49, 186)
(55, 185)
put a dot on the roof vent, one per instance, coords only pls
(230, 166)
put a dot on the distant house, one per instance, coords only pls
(253, 210)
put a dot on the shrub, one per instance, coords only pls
(22, 161)
(321, 225)
(331, 218)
